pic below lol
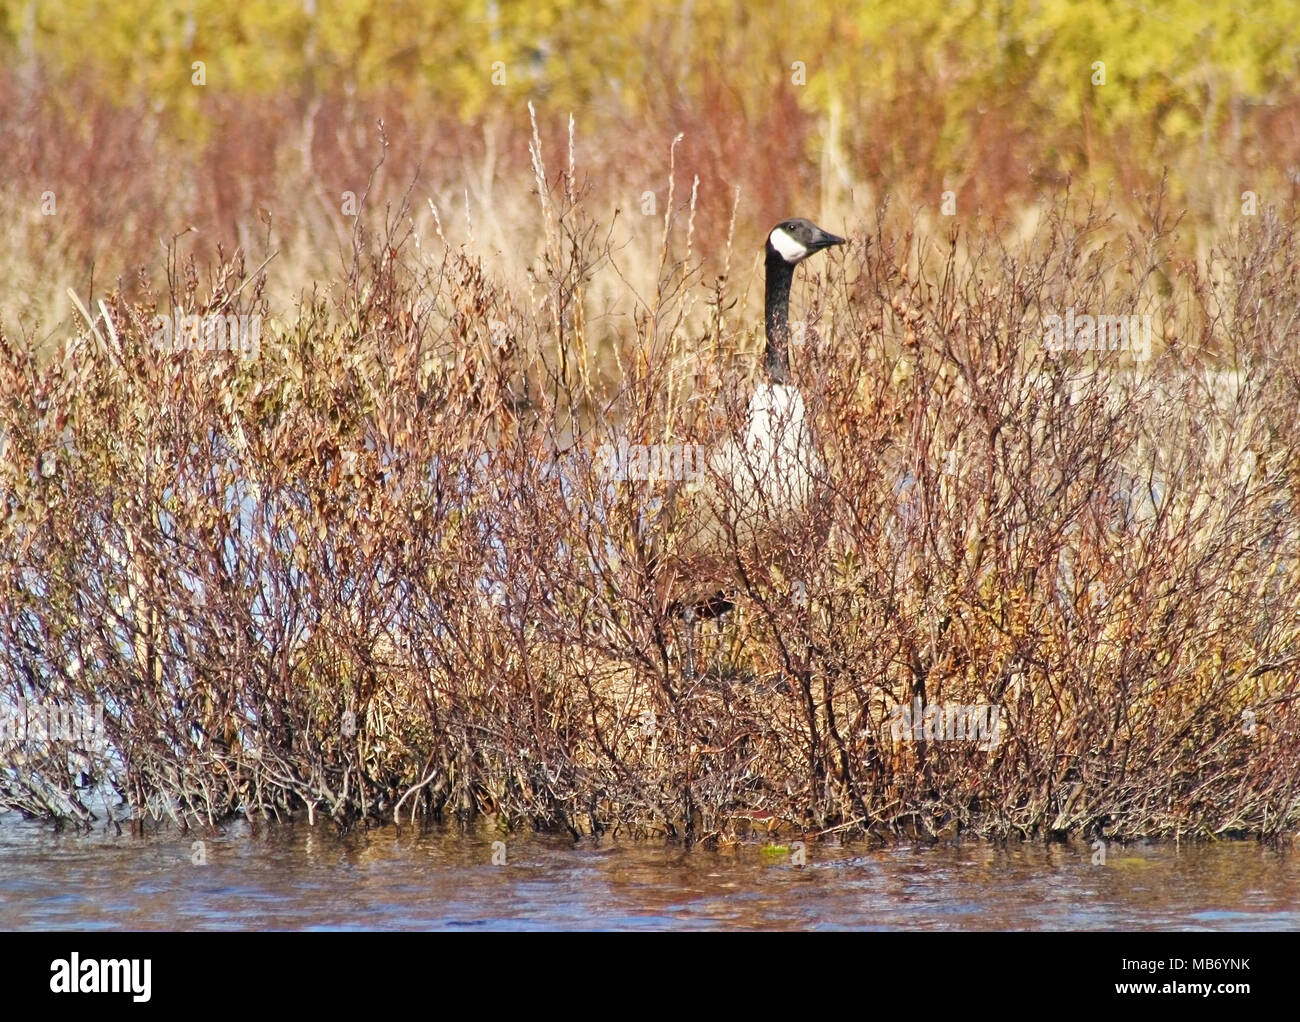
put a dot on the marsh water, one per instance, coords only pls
(298, 877)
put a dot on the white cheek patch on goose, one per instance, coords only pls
(791, 250)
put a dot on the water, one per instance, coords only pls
(296, 877)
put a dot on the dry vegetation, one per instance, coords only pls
(376, 572)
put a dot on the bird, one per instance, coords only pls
(756, 480)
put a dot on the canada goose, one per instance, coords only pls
(756, 479)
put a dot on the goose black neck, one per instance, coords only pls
(777, 301)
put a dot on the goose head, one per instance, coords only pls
(795, 240)
(788, 243)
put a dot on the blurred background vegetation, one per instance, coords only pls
(1180, 69)
(825, 109)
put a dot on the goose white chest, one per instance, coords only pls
(770, 467)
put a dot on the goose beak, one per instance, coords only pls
(825, 239)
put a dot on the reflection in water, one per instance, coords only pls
(294, 877)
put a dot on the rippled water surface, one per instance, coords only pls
(296, 877)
